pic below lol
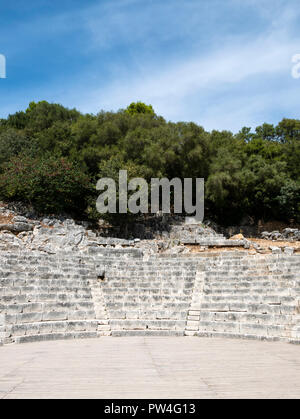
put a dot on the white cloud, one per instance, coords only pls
(202, 78)
(207, 87)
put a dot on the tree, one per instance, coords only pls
(49, 184)
(139, 107)
(14, 142)
(255, 172)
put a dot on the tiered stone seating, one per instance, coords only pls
(148, 297)
(252, 296)
(45, 297)
(115, 292)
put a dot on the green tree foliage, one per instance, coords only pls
(12, 143)
(52, 157)
(50, 184)
(139, 107)
(289, 200)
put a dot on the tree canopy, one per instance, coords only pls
(52, 157)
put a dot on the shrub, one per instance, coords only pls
(50, 184)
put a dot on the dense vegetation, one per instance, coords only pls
(52, 157)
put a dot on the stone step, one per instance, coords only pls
(36, 281)
(52, 327)
(267, 282)
(146, 299)
(44, 267)
(135, 292)
(246, 291)
(280, 331)
(146, 281)
(41, 298)
(234, 275)
(46, 306)
(119, 333)
(239, 336)
(55, 336)
(240, 317)
(135, 306)
(250, 299)
(48, 316)
(40, 289)
(138, 324)
(148, 314)
(16, 303)
(162, 289)
(295, 334)
(119, 292)
(250, 264)
(250, 308)
(232, 278)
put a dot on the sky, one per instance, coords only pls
(223, 64)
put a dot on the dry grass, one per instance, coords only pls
(6, 219)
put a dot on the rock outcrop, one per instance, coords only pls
(288, 234)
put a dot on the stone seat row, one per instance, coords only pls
(46, 306)
(245, 290)
(250, 308)
(31, 317)
(148, 314)
(26, 329)
(139, 324)
(250, 299)
(271, 331)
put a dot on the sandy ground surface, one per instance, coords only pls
(150, 367)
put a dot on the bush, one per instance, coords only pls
(49, 184)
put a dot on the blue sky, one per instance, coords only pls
(221, 63)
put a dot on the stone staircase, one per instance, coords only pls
(2, 328)
(104, 328)
(193, 317)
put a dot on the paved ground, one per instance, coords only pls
(151, 367)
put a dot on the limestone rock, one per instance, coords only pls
(275, 250)
(289, 250)
(237, 237)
